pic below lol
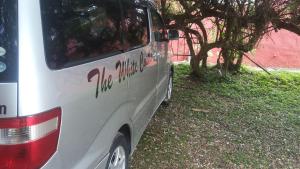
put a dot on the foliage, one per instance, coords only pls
(239, 25)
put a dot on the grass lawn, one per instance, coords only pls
(250, 120)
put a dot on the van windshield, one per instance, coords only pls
(8, 41)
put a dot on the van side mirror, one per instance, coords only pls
(173, 34)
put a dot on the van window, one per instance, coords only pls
(80, 30)
(8, 41)
(158, 27)
(135, 23)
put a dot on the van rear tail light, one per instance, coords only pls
(29, 142)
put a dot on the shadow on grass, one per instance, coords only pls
(248, 120)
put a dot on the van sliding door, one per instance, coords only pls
(142, 65)
(160, 51)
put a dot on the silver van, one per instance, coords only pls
(79, 81)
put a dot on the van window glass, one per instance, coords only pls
(80, 30)
(135, 25)
(8, 41)
(158, 27)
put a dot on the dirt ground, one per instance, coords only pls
(251, 120)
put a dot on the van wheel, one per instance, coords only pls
(118, 153)
(169, 90)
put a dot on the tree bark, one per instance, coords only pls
(195, 61)
(239, 61)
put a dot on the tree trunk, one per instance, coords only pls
(239, 62)
(226, 58)
(195, 61)
(204, 62)
(163, 8)
(195, 67)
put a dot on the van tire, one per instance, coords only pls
(119, 149)
(169, 90)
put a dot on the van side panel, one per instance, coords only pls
(96, 98)
(85, 117)
(160, 50)
(142, 90)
